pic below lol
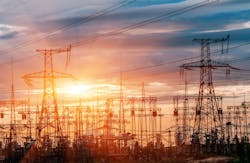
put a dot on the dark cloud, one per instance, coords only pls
(8, 35)
(166, 40)
(196, 26)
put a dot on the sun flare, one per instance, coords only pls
(77, 89)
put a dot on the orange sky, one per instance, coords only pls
(97, 62)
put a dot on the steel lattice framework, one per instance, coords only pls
(49, 121)
(208, 115)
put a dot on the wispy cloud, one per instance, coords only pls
(166, 40)
(9, 31)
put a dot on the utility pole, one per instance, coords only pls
(245, 108)
(185, 109)
(13, 136)
(144, 110)
(121, 107)
(133, 122)
(177, 126)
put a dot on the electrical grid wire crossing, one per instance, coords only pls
(125, 29)
(176, 61)
(65, 27)
(151, 66)
(133, 26)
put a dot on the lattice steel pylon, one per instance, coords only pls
(208, 115)
(13, 133)
(49, 122)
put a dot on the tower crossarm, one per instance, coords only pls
(40, 75)
(210, 41)
(195, 97)
(17, 102)
(53, 51)
(209, 63)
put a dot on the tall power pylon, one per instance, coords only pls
(13, 135)
(49, 121)
(208, 115)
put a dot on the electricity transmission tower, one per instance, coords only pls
(49, 122)
(13, 134)
(208, 114)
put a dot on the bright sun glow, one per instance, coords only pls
(77, 89)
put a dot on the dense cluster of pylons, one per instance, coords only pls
(87, 133)
(88, 148)
(124, 127)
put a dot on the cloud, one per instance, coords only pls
(9, 31)
(169, 33)
(167, 40)
(244, 25)
(8, 35)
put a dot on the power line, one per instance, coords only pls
(136, 25)
(144, 22)
(177, 61)
(70, 25)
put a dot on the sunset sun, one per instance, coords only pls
(77, 89)
(124, 81)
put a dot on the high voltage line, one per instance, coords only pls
(176, 61)
(133, 26)
(72, 24)
(144, 23)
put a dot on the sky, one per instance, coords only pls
(146, 40)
